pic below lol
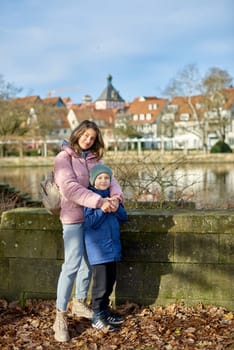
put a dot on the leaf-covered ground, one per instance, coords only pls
(169, 328)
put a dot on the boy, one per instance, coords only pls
(102, 240)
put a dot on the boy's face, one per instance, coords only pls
(102, 181)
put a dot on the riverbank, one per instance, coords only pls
(122, 157)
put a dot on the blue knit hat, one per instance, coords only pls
(98, 169)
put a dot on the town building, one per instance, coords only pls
(183, 122)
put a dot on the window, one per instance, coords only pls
(184, 116)
(58, 122)
(114, 95)
(167, 117)
(135, 117)
(172, 108)
(152, 106)
(148, 116)
(142, 117)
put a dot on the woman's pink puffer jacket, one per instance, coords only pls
(72, 178)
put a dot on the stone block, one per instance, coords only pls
(4, 274)
(30, 243)
(130, 287)
(200, 282)
(193, 247)
(39, 276)
(147, 246)
(30, 219)
(226, 248)
(148, 220)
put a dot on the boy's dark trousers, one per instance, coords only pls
(104, 277)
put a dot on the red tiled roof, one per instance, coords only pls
(53, 101)
(26, 101)
(140, 105)
(83, 112)
(184, 108)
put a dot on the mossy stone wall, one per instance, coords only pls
(168, 256)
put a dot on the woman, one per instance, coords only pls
(72, 165)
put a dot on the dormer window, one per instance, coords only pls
(152, 106)
(113, 95)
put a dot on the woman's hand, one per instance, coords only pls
(110, 205)
(114, 203)
(106, 206)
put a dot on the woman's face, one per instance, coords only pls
(87, 139)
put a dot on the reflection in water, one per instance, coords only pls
(211, 186)
(25, 179)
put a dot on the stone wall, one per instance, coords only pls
(168, 256)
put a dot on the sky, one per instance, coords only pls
(68, 48)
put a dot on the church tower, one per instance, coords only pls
(110, 97)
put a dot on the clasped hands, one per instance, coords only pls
(110, 204)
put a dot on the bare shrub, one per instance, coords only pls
(146, 179)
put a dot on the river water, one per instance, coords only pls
(210, 186)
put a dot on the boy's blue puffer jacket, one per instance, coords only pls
(102, 232)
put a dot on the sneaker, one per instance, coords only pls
(99, 322)
(113, 318)
(81, 309)
(60, 327)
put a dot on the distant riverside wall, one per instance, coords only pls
(168, 256)
(192, 157)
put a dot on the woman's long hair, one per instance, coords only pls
(98, 146)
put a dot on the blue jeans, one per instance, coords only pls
(75, 267)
